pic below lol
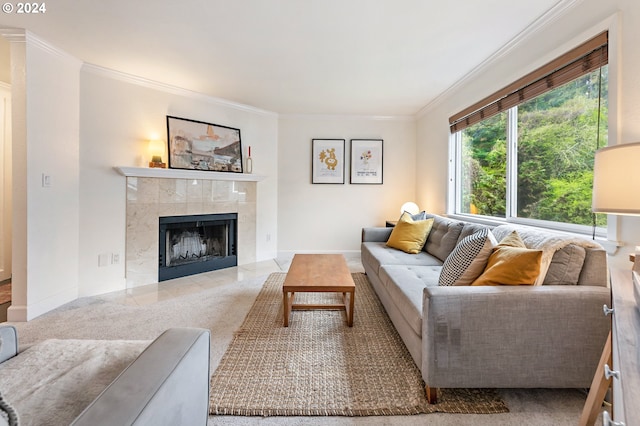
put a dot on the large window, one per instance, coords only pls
(529, 155)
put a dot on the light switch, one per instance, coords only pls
(46, 180)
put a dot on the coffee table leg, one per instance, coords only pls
(352, 295)
(286, 307)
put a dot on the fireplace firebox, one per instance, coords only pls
(197, 243)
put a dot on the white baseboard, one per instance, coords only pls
(346, 253)
(17, 313)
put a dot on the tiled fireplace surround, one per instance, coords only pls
(149, 198)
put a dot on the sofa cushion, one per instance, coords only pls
(565, 266)
(405, 285)
(377, 254)
(443, 236)
(468, 260)
(470, 229)
(410, 235)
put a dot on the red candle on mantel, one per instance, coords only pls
(249, 151)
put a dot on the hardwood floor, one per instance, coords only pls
(5, 299)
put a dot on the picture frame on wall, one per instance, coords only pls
(327, 161)
(198, 145)
(366, 161)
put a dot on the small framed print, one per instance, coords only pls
(327, 161)
(366, 161)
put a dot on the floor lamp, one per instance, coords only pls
(616, 187)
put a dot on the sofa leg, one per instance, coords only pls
(432, 395)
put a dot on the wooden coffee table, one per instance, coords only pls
(321, 273)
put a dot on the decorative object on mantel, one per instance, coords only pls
(327, 161)
(156, 149)
(614, 186)
(249, 168)
(366, 161)
(197, 145)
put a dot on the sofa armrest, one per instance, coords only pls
(493, 336)
(376, 234)
(8, 342)
(168, 384)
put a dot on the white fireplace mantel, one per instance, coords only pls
(186, 174)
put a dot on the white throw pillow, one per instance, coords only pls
(468, 259)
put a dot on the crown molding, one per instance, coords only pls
(168, 88)
(17, 35)
(14, 35)
(557, 11)
(35, 41)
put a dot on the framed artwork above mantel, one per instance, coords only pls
(197, 145)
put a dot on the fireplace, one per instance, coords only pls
(196, 243)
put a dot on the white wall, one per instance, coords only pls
(329, 217)
(119, 114)
(551, 38)
(5, 61)
(45, 92)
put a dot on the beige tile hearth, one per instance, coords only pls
(166, 290)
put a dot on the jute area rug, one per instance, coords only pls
(318, 366)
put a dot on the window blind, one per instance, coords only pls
(581, 60)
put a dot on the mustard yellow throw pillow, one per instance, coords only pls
(512, 240)
(410, 235)
(511, 263)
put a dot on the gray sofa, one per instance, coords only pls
(516, 336)
(167, 384)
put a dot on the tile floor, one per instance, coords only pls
(152, 293)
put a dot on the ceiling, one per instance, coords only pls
(361, 57)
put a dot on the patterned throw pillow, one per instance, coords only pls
(468, 259)
(8, 415)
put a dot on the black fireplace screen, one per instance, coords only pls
(195, 244)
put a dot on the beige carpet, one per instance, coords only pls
(320, 367)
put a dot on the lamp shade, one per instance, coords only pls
(410, 207)
(616, 179)
(156, 149)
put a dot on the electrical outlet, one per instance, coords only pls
(268, 237)
(115, 259)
